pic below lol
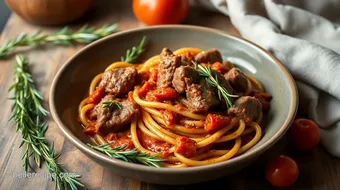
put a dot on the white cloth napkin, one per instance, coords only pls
(305, 36)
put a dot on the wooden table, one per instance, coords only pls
(318, 169)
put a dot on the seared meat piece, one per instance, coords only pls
(166, 68)
(246, 108)
(183, 77)
(210, 56)
(264, 98)
(113, 118)
(223, 82)
(119, 81)
(237, 80)
(201, 97)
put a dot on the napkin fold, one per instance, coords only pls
(305, 36)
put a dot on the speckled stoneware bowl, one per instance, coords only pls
(73, 79)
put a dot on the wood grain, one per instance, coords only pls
(318, 170)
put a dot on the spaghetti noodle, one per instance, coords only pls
(164, 126)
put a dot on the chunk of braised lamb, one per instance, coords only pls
(246, 108)
(237, 80)
(201, 97)
(166, 68)
(210, 56)
(183, 77)
(113, 118)
(119, 81)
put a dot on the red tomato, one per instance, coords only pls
(145, 88)
(170, 117)
(304, 133)
(185, 146)
(153, 144)
(111, 137)
(165, 93)
(123, 142)
(150, 97)
(96, 96)
(282, 171)
(130, 96)
(219, 67)
(153, 77)
(156, 12)
(214, 122)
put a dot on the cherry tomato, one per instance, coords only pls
(156, 12)
(214, 122)
(153, 77)
(145, 88)
(219, 67)
(304, 133)
(96, 96)
(282, 171)
(111, 137)
(130, 96)
(170, 117)
(165, 93)
(185, 146)
(123, 142)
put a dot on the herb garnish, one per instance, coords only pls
(134, 155)
(111, 105)
(28, 113)
(213, 81)
(64, 37)
(133, 54)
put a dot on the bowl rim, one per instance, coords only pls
(138, 167)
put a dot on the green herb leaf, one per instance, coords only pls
(134, 155)
(28, 113)
(212, 79)
(133, 54)
(63, 37)
(111, 105)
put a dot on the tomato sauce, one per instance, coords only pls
(185, 146)
(121, 139)
(153, 144)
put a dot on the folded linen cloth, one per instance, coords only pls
(305, 36)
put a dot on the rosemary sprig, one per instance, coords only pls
(213, 81)
(111, 105)
(134, 155)
(133, 54)
(64, 37)
(28, 114)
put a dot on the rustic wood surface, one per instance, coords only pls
(318, 169)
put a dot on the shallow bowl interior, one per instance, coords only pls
(72, 82)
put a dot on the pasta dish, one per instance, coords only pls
(188, 107)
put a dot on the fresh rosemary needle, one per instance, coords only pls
(222, 92)
(28, 113)
(133, 54)
(111, 105)
(64, 37)
(134, 155)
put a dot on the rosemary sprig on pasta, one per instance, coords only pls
(28, 113)
(64, 37)
(213, 81)
(134, 155)
(111, 105)
(133, 54)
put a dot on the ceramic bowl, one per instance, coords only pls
(73, 79)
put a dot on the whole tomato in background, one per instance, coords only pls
(282, 171)
(158, 12)
(304, 134)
